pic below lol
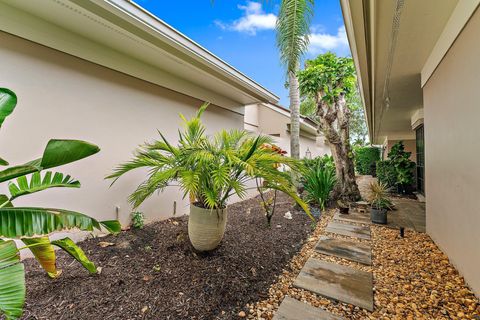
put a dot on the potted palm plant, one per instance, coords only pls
(379, 202)
(209, 170)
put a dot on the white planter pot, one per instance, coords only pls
(206, 227)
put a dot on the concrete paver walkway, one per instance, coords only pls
(355, 217)
(346, 249)
(362, 232)
(292, 309)
(337, 282)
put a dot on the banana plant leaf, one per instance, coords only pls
(56, 180)
(12, 280)
(3, 162)
(30, 222)
(56, 153)
(8, 101)
(76, 252)
(60, 152)
(18, 171)
(5, 201)
(44, 252)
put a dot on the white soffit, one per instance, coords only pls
(119, 35)
(459, 18)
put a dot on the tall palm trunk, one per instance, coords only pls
(294, 115)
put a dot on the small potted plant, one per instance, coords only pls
(379, 202)
(209, 170)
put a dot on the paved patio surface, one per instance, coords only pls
(409, 214)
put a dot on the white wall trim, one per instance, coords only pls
(459, 18)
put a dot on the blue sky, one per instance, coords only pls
(242, 33)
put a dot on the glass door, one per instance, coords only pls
(420, 137)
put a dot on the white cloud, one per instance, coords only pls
(322, 42)
(254, 19)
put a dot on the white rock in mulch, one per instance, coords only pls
(288, 215)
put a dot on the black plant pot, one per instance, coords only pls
(379, 216)
(344, 210)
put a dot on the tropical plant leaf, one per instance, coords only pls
(44, 252)
(76, 252)
(5, 201)
(293, 29)
(60, 152)
(55, 180)
(18, 171)
(8, 101)
(3, 162)
(12, 280)
(30, 222)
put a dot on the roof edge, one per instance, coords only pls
(150, 22)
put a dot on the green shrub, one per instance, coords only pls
(318, 182)
(138, 220)
(325, 161)
(386, 173)
(403, 165)
(365, 159)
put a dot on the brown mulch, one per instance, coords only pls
(154, 273)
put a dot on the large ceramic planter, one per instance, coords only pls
(206, 227)
(379, 216)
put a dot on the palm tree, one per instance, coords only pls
(293, 29)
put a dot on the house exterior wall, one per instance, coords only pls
(452, 111)
(60, 96)
(261, 119)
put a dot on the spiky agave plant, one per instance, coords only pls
(209, 170)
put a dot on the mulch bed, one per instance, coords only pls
(154, 273)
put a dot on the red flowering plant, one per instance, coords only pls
(269, 200)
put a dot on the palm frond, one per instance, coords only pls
(293, 29)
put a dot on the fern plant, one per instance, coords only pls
(32, 225)
(209, 169)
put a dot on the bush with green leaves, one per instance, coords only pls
(324, 161)
(386, 173)
(318, 180)
(404, 167)
(210, 169)
(365, 160)
(32, 225)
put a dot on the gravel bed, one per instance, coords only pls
(413, 279)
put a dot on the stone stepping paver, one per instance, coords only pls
(347, 249)
(349, 230)
(354, 217)
(291, 309)
(337, 282)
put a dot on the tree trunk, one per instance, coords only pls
(294, 115)
(334, 125)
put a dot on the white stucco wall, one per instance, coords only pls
(64, 97)
(452, 152)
